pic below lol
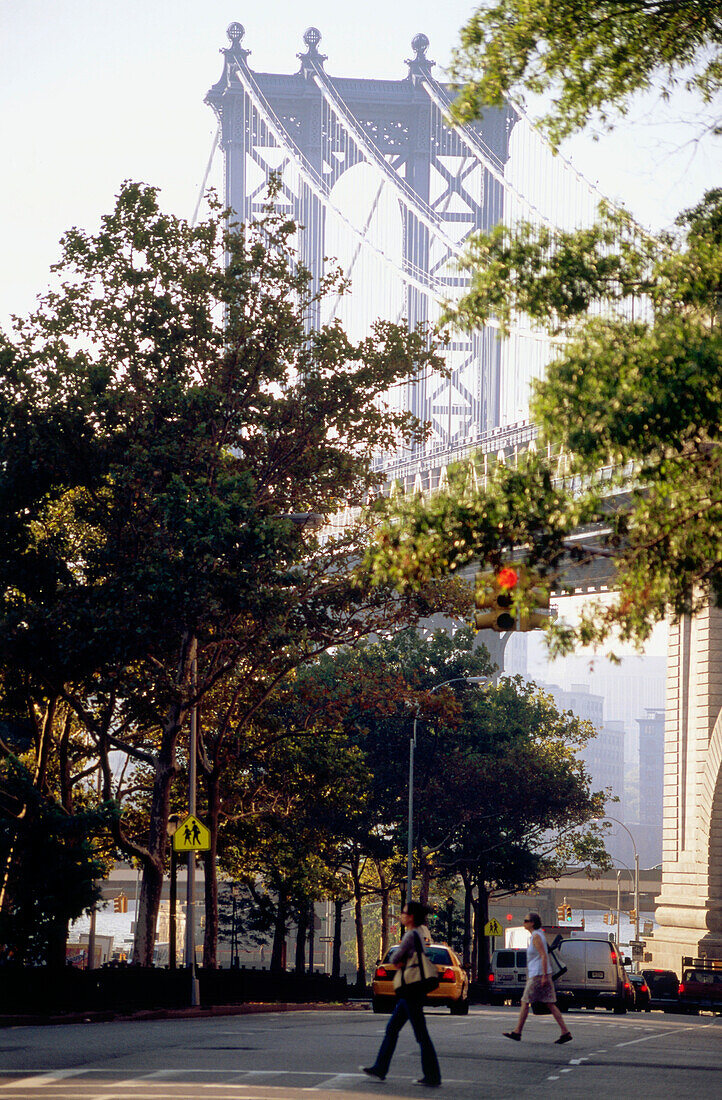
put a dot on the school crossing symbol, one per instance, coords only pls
(191, 836)
(493, 928)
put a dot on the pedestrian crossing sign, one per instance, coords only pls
(191, 836)
(493, 928)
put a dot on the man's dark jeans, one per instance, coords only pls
(410, 1009)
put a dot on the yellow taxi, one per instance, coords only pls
(452, 990)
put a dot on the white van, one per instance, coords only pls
(507, 975)
(594, 974)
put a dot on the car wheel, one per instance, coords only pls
(381, 1004)
(459, 1008)
(620, 1009)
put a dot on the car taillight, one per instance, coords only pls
(491, 978)
(448, 975)
(681, 987)
(614, 956)
(627, 986)
(644, 987)
(381, 972)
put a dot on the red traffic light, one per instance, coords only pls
(507, 577)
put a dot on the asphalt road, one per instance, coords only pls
(304, 1054)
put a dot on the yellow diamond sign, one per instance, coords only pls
(493, 928)
(191, 836)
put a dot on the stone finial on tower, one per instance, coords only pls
(236, 52)
(419, 66)
(311, 59)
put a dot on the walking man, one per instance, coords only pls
(539, 986)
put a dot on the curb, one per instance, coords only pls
(189, 1013)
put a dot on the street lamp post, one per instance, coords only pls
(636, 879)
(412, 747)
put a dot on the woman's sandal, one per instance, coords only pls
(512, 1035)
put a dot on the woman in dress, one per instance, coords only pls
(539, 985)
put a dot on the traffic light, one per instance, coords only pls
(537, 597)
(561, 913)
(120, 904)
(494, 597)
(567, 912)
(632, 914)
(496, 591)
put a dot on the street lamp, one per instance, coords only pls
(636, 880)
(412, 746)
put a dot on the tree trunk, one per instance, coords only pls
(153, 858)
(301, 928)
(210, 938)
(311, 934)
(466, 946)
(57, 942)
(474, 937)
(279, 934)
(358, 921)
(337, 924)
(483, 920)
(151, 887)
(450, 921)
(385, 892)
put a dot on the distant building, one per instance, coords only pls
(604, 755)
(647, 830)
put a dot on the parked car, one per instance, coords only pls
(595, 974)
(507, 975)
(641, 993)
(701, 987)
(663, 989)
(452, 990)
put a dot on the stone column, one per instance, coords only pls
(690, 903)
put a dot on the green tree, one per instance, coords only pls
(590, 56)
(162, 412)
(51, 878)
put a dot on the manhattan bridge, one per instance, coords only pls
(390, 189)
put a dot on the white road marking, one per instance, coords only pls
(565, 1071)
(657, 1035)
(49, 1077)
(552, 1078)
(577, 1061)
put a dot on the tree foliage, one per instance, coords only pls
(591, 56)
(633, 386)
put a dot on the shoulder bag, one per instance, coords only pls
(418, 975)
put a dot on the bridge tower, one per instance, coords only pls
(418, 187)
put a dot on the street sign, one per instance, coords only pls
(191, 836)
(493, 928)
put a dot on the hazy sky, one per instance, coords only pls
(93, 92)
